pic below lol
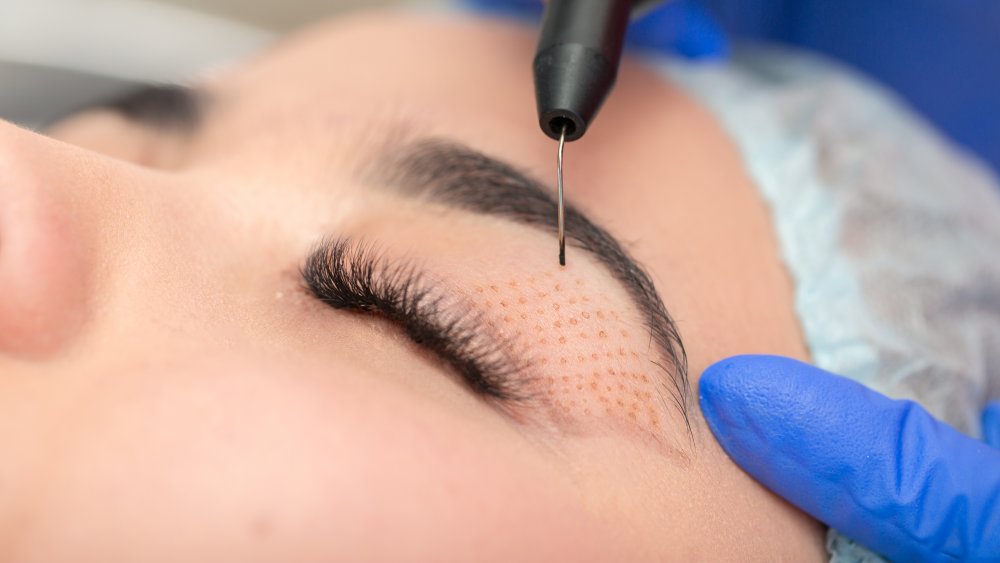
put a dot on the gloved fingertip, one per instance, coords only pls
(991, 424)
(713, 388)
(736, 391)
(730, 378)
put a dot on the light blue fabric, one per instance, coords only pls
(891, 234)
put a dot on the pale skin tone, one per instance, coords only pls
(169, 391)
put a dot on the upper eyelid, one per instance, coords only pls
(442, 171)
(417, 306)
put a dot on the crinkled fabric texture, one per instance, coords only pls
(891, 234)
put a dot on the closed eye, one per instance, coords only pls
(347, 275)
(164, 107)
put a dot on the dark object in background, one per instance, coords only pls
(576, 63)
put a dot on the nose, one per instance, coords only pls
(44, 274)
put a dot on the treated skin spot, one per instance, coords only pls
(261, 527)
(598, 375)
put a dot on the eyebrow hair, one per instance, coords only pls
(165, 107)
(455, 176)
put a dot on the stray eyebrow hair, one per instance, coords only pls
(165, 107)
(444, 172)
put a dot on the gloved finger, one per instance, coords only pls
(883, 472)
(682, 26)
(991, 424)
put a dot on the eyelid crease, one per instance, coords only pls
(353, 276)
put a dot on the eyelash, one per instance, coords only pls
(352, 276)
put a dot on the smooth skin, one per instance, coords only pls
(168, 391)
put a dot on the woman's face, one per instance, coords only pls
(172, 389)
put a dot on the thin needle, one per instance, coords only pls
(561, 215)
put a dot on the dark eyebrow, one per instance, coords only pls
(450, 174)
(165, 107)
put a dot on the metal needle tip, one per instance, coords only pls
(561, 214)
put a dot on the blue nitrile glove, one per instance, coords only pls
(682, 27)
(882, 472)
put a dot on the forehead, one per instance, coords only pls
(352, 77)
(691, 215)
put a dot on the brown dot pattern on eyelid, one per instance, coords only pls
(590, 368)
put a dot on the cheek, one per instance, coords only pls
(246, 458)
(590, 359)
